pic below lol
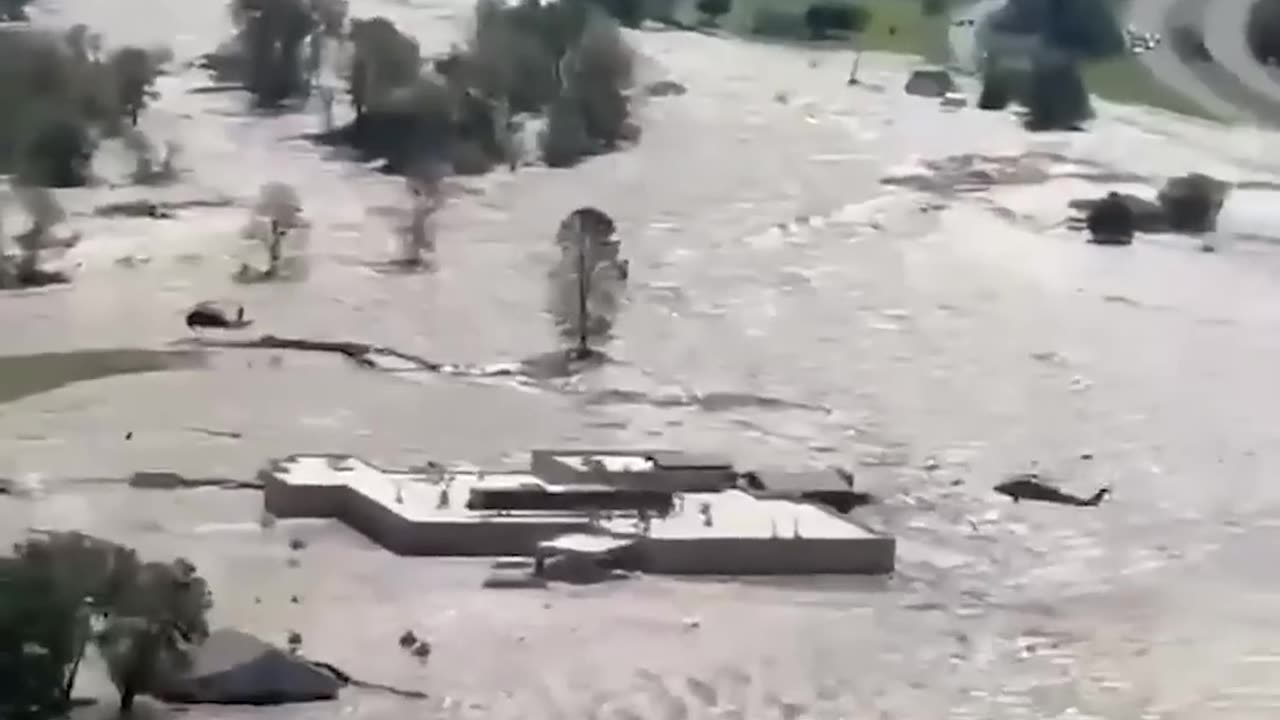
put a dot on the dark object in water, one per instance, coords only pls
(1029, 486)
(1111, 221)
(1192, 202)
(211, 315)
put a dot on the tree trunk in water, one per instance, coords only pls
(81, 643)
(27, 266)
(584, 290)
(127, 695)
(133, 116)
(273, 250)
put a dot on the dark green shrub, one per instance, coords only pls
(59, 96)
(1262, 31)
(779, 24)
(54, 590)
(565, 142)
(628, 13)
(714, 9)
(1056, 97)
(824, 18)
(567, 59)
(468, 157)
(933, 8)
(997, 90)
(1192, 202)
(272, 35)
(384, 61)
(1087, 28)
(134, 72)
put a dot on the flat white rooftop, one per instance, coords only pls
(609, 463)
(414, 496)
(737, 514)
(425, 513)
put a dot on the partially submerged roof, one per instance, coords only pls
(807, 481)
(586, 544)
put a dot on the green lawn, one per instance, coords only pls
(1125, 79)
(1122, 79)
(896, 26)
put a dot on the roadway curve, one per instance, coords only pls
(1235, 87)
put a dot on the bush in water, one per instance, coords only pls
(997, 90)
(713, 10)
(566, 59)
(1192, 202)
(1263, 31)
(1056, 97)
(1086, 28)
(271, 35)
(277, 212)
(824, 18)
(59, 97)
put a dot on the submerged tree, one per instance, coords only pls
(417, 236)
(59, 97)
(997, 90)
(45, 213)
(272, 33)
(588, 280)
(276, 213)
(384, 61)
(134, 71)
(1057, 98)
(151, 165)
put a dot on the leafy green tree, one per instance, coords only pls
(1057, 98)
(151, 624)
(58, 587)
(997, 91)
(59, 96)
(384, 60)
(38, 632)
(596, 73)
(134, 72)
(589, 280)
(1086, 28)
(272, 34)
(825, 18)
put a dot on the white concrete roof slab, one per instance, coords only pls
(736, 514)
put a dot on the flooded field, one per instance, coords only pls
(787, 307)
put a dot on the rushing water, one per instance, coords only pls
(786, 309)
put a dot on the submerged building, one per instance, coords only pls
(658, 511)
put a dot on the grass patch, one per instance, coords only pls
(897, 26)
(1125, 79)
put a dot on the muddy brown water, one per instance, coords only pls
(818, 316)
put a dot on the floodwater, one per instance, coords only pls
(786, 308)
